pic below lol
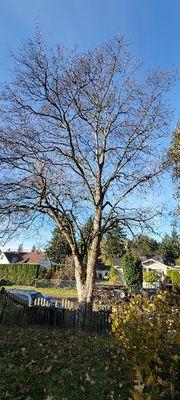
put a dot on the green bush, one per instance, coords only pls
(151, 277)
(114, 275)
(175, 277)
(132, 270)
(20, 273)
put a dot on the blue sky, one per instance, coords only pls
(152, 26)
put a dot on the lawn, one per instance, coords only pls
(39, 364)
(55, 292)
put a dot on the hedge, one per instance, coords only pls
(20, 273)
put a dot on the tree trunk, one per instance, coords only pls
(80, 284)
(93, 256)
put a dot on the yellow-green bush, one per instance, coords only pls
(147, 332)
(151, 277)
(114, 275)
(175, 277)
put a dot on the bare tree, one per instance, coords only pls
(79, 134)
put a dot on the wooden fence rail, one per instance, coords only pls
(13, 311)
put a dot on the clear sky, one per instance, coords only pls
(152, 26)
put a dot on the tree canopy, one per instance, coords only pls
(79, 135)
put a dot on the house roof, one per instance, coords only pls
(153, 261)
(103, 267)
(25, 257)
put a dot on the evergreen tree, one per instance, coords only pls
(58, 248)
(114, 243)
(170, 247)
(20, 248)
(143, 245)
(132, 270)
(33, 250)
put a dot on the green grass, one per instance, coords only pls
(56, 292)
(59, 292)
(42, 364)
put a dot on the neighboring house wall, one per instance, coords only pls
(3, 259)
(153, 265)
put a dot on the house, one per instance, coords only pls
(38, 258)
(152, 264)
(102, 271)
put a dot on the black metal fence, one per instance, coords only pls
(14, 311)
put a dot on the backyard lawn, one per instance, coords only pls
(42, 364)
(55, 292)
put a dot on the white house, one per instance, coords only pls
(152, 264)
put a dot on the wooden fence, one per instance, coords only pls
(67, 316)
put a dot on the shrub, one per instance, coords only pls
(20, 273)
(114, 275)
(151, 277)
(175, 277)
(132, 270)
(147, 333)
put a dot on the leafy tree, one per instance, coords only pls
(170, 247)
(132, 270)
(143, 245)
(114, 275)
(80, 132)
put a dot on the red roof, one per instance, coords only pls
(25, 257)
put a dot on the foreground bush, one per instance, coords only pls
(148, 334)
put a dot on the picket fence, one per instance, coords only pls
(14, 311)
